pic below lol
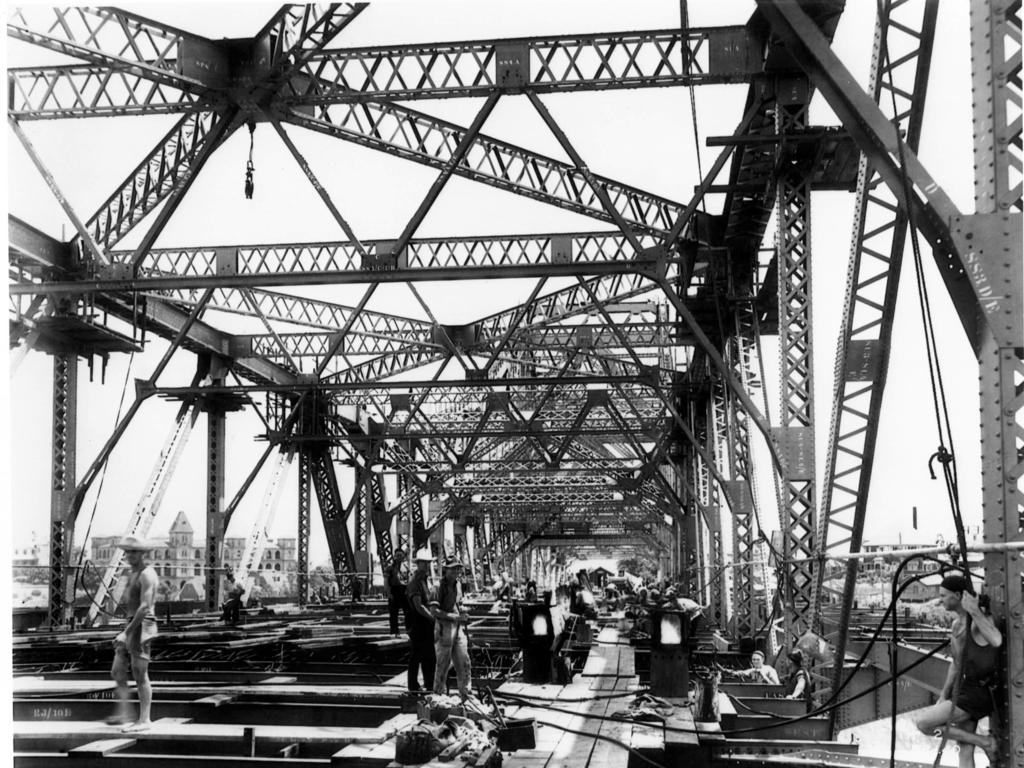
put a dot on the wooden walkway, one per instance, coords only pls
(610, 670)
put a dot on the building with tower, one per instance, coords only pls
(181, 555)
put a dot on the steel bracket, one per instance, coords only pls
(561, 249)
(512, 66)
(384, 258)
(796, 447)
(863, 360)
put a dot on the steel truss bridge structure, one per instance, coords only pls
(618, 412)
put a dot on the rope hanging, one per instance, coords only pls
(249, 168)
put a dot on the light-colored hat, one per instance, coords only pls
(451, 562)
(424, 556)
(131, 543)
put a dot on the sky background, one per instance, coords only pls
(643, 138)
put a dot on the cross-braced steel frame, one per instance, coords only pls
(554, 431)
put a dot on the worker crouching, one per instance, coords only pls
(451, 645)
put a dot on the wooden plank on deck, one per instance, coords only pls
(101, 748)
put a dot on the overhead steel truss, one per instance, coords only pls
(616, 413)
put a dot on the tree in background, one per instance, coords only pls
(644, 567)
(321, 575)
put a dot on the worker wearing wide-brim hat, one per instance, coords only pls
(451, 645)
(421, 623)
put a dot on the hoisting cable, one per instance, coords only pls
(684, 12)
(946, 457)
(894, 645)
(92, 595)
(752, 729)
(249, 167)
(103, 476)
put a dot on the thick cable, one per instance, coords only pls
(893, 649)
(602, 737)
(939, 401)
(780, 723)
(684, 12)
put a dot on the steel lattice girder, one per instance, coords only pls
(332, 510)
(897, 80)
(149, 53)
(151, 50)
(341, 262)
(499, 464)
(299, 310)
(431, 141)
(171, 165)
(153, 53)
(40, 93)
(162, 318)
(580, 422)
(146, 48)
(298, 31)
(968, 276)
(996, 227)
(796, 432)
(638, 336)
(564, 362)
(567, 62)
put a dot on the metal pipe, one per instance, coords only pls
(952, 550)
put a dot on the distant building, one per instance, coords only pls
(31, 556)
(599, 577)
(179, 556)
(875, 568)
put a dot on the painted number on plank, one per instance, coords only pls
(51, 713)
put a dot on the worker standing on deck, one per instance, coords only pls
(395, 585)
(421, 623)
(132, 644)
(977, 665)
(451, 646)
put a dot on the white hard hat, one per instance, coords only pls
(424, 556)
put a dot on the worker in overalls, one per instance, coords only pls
(451, 645)
(421, 623)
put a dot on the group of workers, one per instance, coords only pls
(436, 622)
(975, 642)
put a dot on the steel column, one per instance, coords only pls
(795, 436)
(993, 240)
(304, 500)
(216, 463)
(62, 487)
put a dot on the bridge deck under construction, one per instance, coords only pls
(318, 689)
(520, 290)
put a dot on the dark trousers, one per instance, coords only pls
(421, 652)
(232, 609)
(397, 605)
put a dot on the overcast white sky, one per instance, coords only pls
(642, 138)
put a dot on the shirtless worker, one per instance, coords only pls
(132, 644)
(977, 675)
